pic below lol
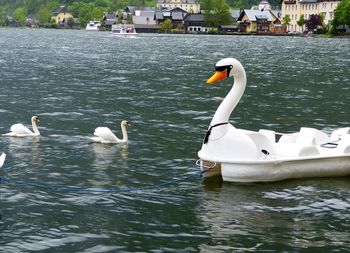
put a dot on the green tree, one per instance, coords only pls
(341, 15)
(97, 13)
(44, 15)
(88, 11)
(222, 10)
(217, 12)
(120, 16)
(286, 20)
(103, 3)
(129, 19)
(205, 5)
(322, 18)
(70, 22)
(3, 16)
(31, 5)
(301, 22)
(119, 4)
(166, 26)
(52, 5)
(20, 15)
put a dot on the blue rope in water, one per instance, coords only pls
(62, 188)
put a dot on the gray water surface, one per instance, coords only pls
(76, 81)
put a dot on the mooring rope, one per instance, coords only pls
(62, 188)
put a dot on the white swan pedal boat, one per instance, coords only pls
(239, 155)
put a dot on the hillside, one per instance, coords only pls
(85, 10)
(33, 6)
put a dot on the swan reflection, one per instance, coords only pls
(110, 154)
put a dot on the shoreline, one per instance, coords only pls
(345, 36)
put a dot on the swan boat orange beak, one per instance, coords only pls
(219, 75)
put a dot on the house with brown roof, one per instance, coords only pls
(176, 15)
(259, 21)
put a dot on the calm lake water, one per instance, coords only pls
(76, 81)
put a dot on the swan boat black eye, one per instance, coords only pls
(228, 68)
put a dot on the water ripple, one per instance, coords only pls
(86, 80)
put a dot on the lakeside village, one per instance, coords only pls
(185, 16)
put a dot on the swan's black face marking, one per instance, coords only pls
(226, 68)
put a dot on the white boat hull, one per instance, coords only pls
(92, 29)
(124, 34)
(278, 170)
(93, 26)
(124, 30)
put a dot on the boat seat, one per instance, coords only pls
(263, 144)
(346, 150)
(311, 136)
(344, 144)
(338, 133)
(289, 138)
(289, 149)
(308, 151)
(271, 135)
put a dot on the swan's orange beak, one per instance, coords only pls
(219, 75)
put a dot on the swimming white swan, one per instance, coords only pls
(240, 155)
(2, 159)
(18, 130)
(105, 135)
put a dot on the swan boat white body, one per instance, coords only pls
(239, 155)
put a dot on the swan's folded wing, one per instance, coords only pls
(106, 134)
(2, 159)
(20, 129)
